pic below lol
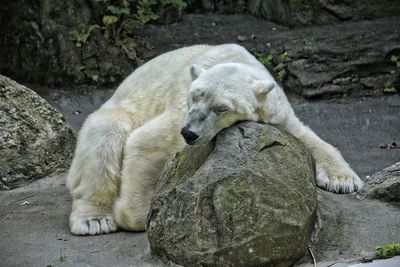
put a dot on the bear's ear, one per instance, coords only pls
(196, 70)
(262, 87)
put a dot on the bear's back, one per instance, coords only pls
(159, 77)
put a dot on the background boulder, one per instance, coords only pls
(384, 185)
(35, 140)
(247, 200)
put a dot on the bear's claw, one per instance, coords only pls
(342, 181)
(92, 225)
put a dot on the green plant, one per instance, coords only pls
(278, 64)
(264, 59)
(63, 256)
(81, 36)
(280, 70)
(145, 8)
(113, 19)
(389, 90)
(145, 11)
(395, 60)
(121, 16)
(387, 251)
(118, 14)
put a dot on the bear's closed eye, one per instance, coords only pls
(221, 109)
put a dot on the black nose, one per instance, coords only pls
(189, 136)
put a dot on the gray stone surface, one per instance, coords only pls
(299, 12)
(35, 232)
(384, 185)
(35, 140)
(357, 127)
(248, 200)
(352, 228)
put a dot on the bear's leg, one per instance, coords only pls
(333, 172)
(94, 176)
(146, 152)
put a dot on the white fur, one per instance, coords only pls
(123, 145)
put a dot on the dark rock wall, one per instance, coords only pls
(37, 47)
(346, 56)
(303, 12)
(352, 58)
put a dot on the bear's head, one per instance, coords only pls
(219, 97)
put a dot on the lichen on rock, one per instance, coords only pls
(249, 199)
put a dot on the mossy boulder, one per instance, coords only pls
(246, 199)
(35, 140)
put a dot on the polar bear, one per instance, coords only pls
(187, 95)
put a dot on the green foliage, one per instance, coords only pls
(280, 70)
(278, 64)
(387, 251)
(395, 60)
(81, 36)
(118, 10)
(128, 45)
(63, 256)
(145, 11)
(389, 90)
(265, 60)
(175, 3)
(145, 8)
(121, 16)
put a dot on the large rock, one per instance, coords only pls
(351, 229)
(300, 12)
(330, 64)
(35, 140)
(249, 199)
(351, 226)
(384, 185)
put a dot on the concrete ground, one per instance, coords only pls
(357, 126)
(34, 232)
(34, 218)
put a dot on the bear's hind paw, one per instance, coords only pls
(92, 225)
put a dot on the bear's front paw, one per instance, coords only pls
(338, 179)
(128, 217)
(92, 225)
